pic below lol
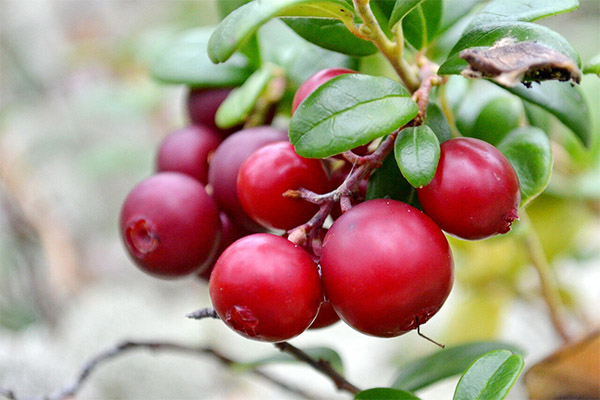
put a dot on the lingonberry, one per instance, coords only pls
(475, 191)
(225, 165)
(271, 171)
(325, 317)
(203, 103)
(187, 151)
(266, 288)
(169, 224)
(230, 232)
(314, 81)
(386, 267)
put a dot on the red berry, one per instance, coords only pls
(225, 165)
(230, 233)
(314, 81)
(203, 103)
(325, 317)
(170, 225)
(271, 171)
(187, 151)
(475, 191)
(386, 267)
(266, 288)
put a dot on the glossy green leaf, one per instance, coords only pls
(521, 10)
(349, 111)
(565, 102)
(240, 102)
(385, 394)
(455, 10)
(401, 9)
(487, 35)
(185, 61)
(593, 66)
(331, 35)
(243, 22)
(443, 364)
(490, 377)
(537, 116)
(417, 152)
(436, 120)
(319, 353)
(528, 150)
(422, 24)
(388, 183)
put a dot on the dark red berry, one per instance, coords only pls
(266, 288)
(225, 165)
(314, 81)
(386, 267)
(187, 151)
(170, 226)
(203, 103)
(325, 317)
(271, 171)
(230, 232)
(475, 191)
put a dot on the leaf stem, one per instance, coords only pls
(548, 282)
(447, 110)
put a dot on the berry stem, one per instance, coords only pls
(320, 365)
(203, 313)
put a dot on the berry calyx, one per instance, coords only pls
(475, 192)
(386, 267)
(266, 288)
(271, 171)
(170, 225)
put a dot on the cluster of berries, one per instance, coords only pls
(216, 208)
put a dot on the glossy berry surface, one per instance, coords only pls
(225, 165)
(386, 267)
(325, 317)
(314, 81)
(266, 288)
(475, 191)
(187, 151)
(271, 171)
(230, 232)
(170, 225)
(203, 103)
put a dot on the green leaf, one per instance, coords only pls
(185, 61)
(528, 150)
(319, 353)
(565, 102)
(484, 36)
(225, 7)
(243, 22)
(480, 93)
(385, 394)
(593, 66)
(436, 120)
(422, 24)
(444, 364)
(401, 9)
(388, 183)
(455, 10)
(497, 118)
(521, 10)
(349, 111)
(240, 102)
(417, 152)
(490, 377)
(331, 35)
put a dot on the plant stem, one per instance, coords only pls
(447, 110)
(392, 51)
(322, 366)
(548, 282)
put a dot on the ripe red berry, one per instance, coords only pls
(203, 103)
(475, 191)
(225, 165)
(271, 171)
(187, 151)
(325, 317)
(314, 81)
(266, 288)
(169, 224)
(386, 267)
(230, 232)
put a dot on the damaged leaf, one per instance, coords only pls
(508, 63)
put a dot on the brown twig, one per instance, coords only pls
(203, 313)
(320, 365)
(89, 367)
